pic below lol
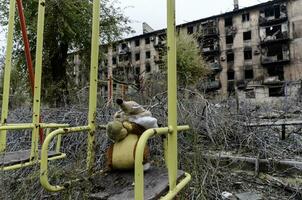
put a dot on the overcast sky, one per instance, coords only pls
(153, 12)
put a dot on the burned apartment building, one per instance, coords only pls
(256, 51)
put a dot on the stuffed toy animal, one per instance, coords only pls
(128, 125)
(117, 130)
(133, 112)
(121, 154)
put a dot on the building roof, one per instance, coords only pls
(231, 13)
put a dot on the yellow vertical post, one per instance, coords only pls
(93, 84)
(172, 95)
(7, 72)
(38, 74)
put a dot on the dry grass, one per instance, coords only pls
(216, 126)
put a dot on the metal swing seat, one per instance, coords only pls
(164, 183)
(24, 158)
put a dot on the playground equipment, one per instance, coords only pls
(176, 179)
(20, 159)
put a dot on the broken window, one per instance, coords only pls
(148, 54)
(247, 35)
(277, 52)
(276, 71)
(274, 32)
(148, 67)
(269, 12)
(137, 42)
(230, 57)
(228, 21)
(245, 17)
(249, 74)
(273, 11)
(231, 74)
(248, 54)
(114, 60)
(229, 39)
(276, 91)
(137, 56)
(190, 30)
(277, 11)
(147, 40)
(124, 46)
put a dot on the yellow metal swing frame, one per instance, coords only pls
(35, 125)
(170, 143)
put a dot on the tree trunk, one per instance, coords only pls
(59, 76)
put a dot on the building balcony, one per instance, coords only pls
(209, 86)
(275, 39)
(210, 32)
(275, 54)
(274, 34)
(160, 44)
(267, 60)
(124, 51)
(265, 21)
(215, 66)
(273, 14)
(210, 49)
(272, 80)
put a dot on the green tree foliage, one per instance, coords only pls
(67, 29)
(191, 66)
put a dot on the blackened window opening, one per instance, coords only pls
(137, 57)
(249, 74)
(276, 71)
(148, 54)
(190, 30)
(231, 75)
(230, 57)
(248, 54)
(137, 43)
(247, 35)
(228, 21)
(229, 39)
(245, 17)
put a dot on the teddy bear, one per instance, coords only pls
(127, 126)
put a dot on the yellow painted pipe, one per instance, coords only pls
(53, 125)
(27, 164)
(178, 188)
(7, 72)
(139, 155)
(171, 152)
(94, 65)
(38, 76)
(44, 155)
(31, 126)
(17, 126)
